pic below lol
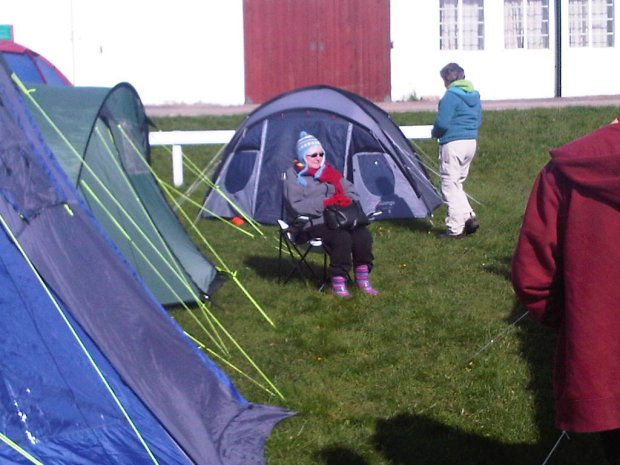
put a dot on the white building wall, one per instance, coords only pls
(590, 70)
(496, 72)
(191, 51)
(185, 51)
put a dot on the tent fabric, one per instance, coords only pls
(30, 66)
(52, 405)
(44, 369)
(360, 139)
(100, 138)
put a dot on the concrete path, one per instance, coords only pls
(396, 107)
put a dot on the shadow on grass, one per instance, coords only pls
(501, 268)
(410, 224)
(337, 455)
(270, 268)
(417, 440)
(537, 346)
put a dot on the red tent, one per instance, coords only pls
(30, 66)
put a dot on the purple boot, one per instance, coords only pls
(362, 282)
(339, 286)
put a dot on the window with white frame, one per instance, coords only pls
(526, 23)
(591, 23)
(461, 24)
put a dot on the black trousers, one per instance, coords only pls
(611, 446)
(345, 248)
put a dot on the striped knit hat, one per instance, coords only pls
(304, 144)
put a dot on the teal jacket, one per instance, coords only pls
(460, 113)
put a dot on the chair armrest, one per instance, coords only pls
(373, 215)
(284, 226)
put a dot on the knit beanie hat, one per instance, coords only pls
(304, 144)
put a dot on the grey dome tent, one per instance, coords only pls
(100, 138)
(360, 140)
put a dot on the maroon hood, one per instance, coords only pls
(592, 162)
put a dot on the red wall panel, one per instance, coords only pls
(295, 43)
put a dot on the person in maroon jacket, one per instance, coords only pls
(566, 271)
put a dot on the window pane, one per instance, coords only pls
(578, 23)
(591, 23)
(611, 24)
(473, 25)
(602, 23)
(461, 24)
(448, 24)
(513, 24)
(537, 24)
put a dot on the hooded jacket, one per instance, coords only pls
(459, 114)
(566, 271)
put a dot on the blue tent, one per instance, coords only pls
(31, 66)
(93, 370)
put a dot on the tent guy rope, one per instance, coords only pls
(78, 340)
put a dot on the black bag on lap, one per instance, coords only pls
(349, 217)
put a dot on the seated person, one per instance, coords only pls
(310, 186)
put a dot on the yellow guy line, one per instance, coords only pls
(17, 448)
(78, 340)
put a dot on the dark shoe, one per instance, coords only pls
(451, 236)
(471, 226)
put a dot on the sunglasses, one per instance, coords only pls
(314, 155)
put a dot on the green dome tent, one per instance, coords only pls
(100, 138)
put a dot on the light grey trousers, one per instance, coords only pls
(454, 160)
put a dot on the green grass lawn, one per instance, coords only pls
(391, 379)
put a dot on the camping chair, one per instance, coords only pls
(298, 252)
(298, 247)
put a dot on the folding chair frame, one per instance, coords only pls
(299, 254)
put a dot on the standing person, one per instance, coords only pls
(456, 128)
(566, 271)
(311, 185)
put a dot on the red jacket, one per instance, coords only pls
(566, 271)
